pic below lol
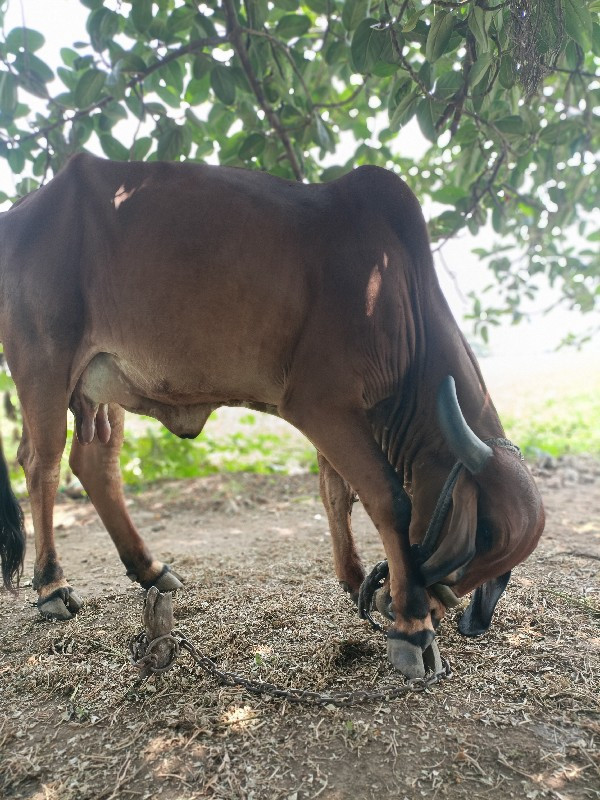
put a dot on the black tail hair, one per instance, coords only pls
(12, 531)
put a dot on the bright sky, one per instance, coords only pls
(63, 21)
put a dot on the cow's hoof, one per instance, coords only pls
(62, 604)
(432, 659)
(168, 581)
(165, 581)
(410, 659)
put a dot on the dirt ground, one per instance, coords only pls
(519, 718)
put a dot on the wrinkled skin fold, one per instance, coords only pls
(173, 289)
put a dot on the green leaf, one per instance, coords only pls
(480, 69)
(439, 36)
(69, 56)
(180, 21)
(466, 134)
(557, 133)
(508, 73)
(512, 126)
(400, 89)
(223, 84)
(171, 143)
(425, 119)
(353, 13)
(141, 148)
(404, 110)
(31, 66)
(292, 26)
(323, 136)
(411, 22)
(479, 22)
(102, 26)
(252, 146)
(449, 195)
(89, 88)
(16, 160)
(578, 22)
(371, 45)
(197, 91)
(448, 84)
(332, 173)
(113, 148)
(8, 93)
(448, 222)
(201, 66)
(24, 39)
(336, 53)
(129, 64)
(318, 6)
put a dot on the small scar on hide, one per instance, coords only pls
(91, 420)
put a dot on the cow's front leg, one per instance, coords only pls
(39, 454)
(345, 438)
(338, 499)
(97, 467)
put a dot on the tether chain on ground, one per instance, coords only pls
(143, 658)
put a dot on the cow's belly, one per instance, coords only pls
(182, 404)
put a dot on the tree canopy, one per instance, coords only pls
(507, 92)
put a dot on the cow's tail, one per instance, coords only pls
(12, 530)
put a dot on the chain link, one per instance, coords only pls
(143, 658)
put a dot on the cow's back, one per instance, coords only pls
(211, 279)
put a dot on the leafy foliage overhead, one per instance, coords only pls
(506, 91)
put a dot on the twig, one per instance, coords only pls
(192, 47)
(476, 198)
(452, 275)
(463, 3)
(236, 37)
(505, 763)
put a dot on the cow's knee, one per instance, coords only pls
(24, 452)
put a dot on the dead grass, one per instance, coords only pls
(520, 718)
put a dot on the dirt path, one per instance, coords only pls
(520, 718)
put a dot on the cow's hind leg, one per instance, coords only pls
(338, 498)
(345, 438)
(39, 453)
(97, 467)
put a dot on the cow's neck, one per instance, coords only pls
(406, 425)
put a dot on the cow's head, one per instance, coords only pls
(496, 519)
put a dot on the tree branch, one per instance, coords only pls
(236, 37)
(459, 4)
(576, 72)
(192, 47)
(275, 42)
(477, 196)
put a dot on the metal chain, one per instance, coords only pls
(144, 659)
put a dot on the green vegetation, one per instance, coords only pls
(250, 446)
(563, 424)
(568, 422)
(504, 93)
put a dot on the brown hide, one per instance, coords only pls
(172, 289)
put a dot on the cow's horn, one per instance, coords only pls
(464, 444)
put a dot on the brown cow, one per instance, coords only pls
(172, 289)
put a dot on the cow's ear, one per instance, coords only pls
(478, 616)
(457, 548)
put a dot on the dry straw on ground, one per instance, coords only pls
(520, 718)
